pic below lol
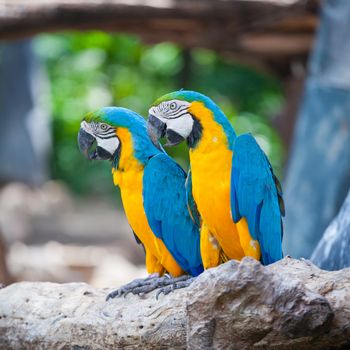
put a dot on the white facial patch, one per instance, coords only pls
(86, 127)
(182, 126)
(174, 114)
(110, 145)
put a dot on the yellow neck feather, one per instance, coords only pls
(127, 160)
(213, 134)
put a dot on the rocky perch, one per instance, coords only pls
(288, 305)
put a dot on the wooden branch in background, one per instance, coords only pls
(291, 304)
(262, 27)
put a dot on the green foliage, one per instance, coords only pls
(95, 69)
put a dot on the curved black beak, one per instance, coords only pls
(155, 129)
(173, 138)
(86, 141)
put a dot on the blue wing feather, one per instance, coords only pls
(164, 196)
(191, 204)
(256, 196)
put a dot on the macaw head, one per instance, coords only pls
(104, 127)
(181, 115)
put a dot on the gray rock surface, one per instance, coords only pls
(288, 305)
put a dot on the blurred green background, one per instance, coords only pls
(95, 69)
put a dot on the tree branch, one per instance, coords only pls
(291, 304)
(213, 24)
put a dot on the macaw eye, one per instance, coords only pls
(104, 127)
(172, 105)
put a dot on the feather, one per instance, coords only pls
(256, 195)
(164, 196)
(191, 204)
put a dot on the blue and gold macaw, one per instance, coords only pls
(153, 193)
(234, 189)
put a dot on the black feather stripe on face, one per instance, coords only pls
(179, 112)
(171, 113)
(106, 137)
(195, 134)
(116, 157)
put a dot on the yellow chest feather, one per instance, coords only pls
(211, 162)
(129, 178)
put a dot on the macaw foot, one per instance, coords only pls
(132, 287)
(175, 283)
(145, 285)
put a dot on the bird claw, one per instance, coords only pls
(143, 286)
(129, 288)
(177, 283)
